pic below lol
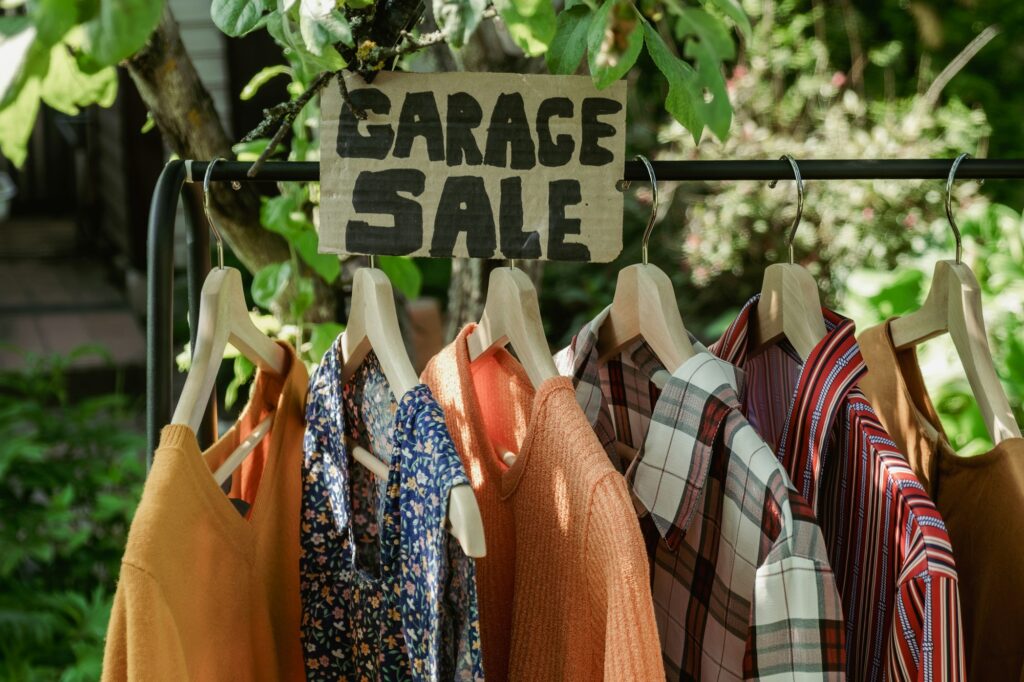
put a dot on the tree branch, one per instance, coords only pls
(371, 57)
(284, 114)
(931, 97)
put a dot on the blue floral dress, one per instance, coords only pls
(387, 593)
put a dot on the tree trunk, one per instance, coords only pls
(183, 111)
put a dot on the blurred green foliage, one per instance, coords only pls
(70, 477)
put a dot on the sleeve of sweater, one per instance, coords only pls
(142, 638)
(622, 625)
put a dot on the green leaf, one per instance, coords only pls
(67, 89)
(243, 370)
(261, 78)
(404, 274)
(321, 25)
(693, 21)
(900, 294)
(886, 55)
(269, 282)
(303, 297)
(281, 214)
(733, 10)
(17, 119)
(458, 18)
(717, 112)
(683, 84)
(251, 150)
(118, 30)
(610, 53)
(276, 214)
(531, 32)
(322, 338)
(570, 41)
(52, 19)
(326, 265)
(236, 17)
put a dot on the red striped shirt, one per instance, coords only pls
(887, 544)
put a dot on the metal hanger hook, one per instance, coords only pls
(206, 210)
(799, 200)
(949, 205)
(654, 205)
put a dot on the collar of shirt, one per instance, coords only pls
(826, 377)
(669, 473)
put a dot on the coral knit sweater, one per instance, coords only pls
(564, 589)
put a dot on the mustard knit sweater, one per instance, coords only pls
(564, 589)
(205, 593)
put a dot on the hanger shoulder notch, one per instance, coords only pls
(790, 307)
(645, 307)
(373, 323)
(953, 305)
(512, 316)
(223, 318)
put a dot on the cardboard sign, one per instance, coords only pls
(485, 165)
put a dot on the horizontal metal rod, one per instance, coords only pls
(817, 169)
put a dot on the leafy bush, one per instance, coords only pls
(70, 477)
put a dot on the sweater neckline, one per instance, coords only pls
(281, 395)
(927, 437)
(509, 476)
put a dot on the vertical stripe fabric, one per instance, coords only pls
(887, 544)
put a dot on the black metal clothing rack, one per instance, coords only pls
(164, 206)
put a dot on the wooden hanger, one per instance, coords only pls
(223, 318)
(373, 324)
(953, 305)
(645, 306)
(512, 316)
(790, 306)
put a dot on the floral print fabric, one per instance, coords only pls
(387, 593)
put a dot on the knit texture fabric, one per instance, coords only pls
(205, 593)
(564, 590)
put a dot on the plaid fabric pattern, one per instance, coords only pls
(886, 542)
(741, 582)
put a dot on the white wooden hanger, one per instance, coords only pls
(512, 317)
(953, 305)
(223, 318)
(373, 324)
(790, 306)
(645, 306)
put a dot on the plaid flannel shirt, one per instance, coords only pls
(741, 582)
(886, 542)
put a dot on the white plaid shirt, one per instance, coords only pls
(740, 577)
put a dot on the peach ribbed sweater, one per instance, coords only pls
(564, 590)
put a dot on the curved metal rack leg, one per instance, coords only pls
(160, 301)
